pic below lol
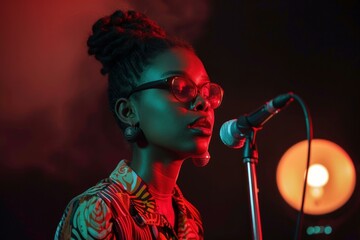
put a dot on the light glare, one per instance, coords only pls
(318, 175)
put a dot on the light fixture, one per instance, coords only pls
(331, 177)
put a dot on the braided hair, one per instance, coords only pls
(124, 43)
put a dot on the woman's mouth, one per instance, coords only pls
(201, 126)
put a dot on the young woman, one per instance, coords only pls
(164, 102)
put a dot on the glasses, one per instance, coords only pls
(186, 90)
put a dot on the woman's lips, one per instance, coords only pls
(202, 126)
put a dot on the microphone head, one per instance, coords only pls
(230, 135)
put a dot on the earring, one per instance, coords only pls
(132, 133)
(201, 160)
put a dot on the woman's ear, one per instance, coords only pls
(125, 111)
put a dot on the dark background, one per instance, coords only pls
(57, 136)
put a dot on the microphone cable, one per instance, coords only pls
(309, 134)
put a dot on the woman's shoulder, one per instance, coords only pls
(92, 211)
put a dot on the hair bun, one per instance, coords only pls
(132, 23)
(115, 35)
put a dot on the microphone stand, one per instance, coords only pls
(250, 158)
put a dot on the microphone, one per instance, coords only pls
(233, 132)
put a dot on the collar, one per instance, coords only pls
(141, 200)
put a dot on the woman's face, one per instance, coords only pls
(168, 124)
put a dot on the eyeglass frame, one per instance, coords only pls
(166, 84)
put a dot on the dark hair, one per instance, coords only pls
(124, 43)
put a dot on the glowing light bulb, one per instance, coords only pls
(328, 160)
(318, 176)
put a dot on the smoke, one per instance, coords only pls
(54, 112)
(183, 18)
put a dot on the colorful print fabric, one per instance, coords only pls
(121, 207)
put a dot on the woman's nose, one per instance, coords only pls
(200, 103)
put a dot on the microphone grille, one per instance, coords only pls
(230, 136)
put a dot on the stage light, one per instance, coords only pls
(331, 177)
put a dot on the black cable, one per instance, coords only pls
(309, 134)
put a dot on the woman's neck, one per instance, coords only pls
(164, 177)
(160, 174)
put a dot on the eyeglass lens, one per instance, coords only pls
(185, 91)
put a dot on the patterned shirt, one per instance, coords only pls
(121, 207)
